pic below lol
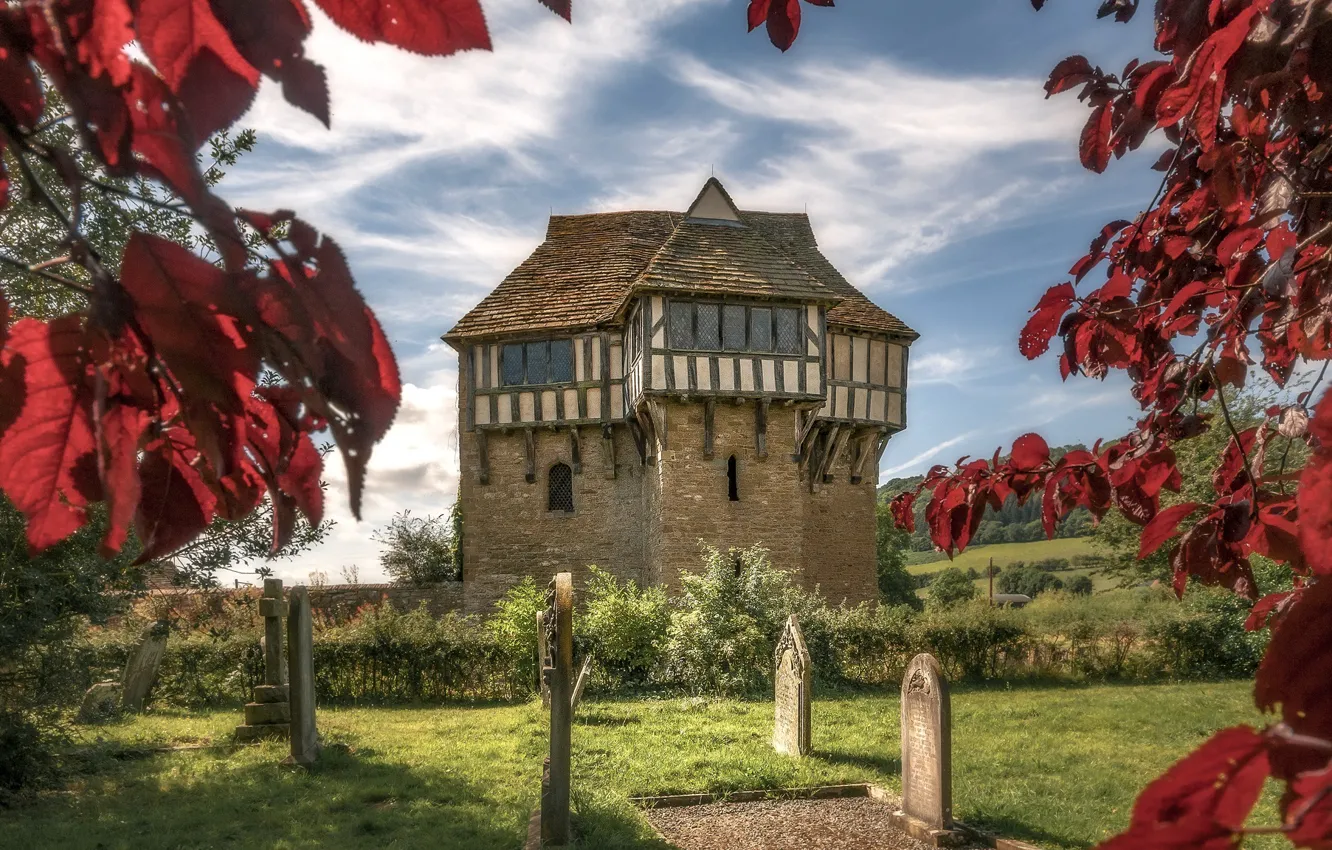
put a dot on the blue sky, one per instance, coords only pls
(916, 135)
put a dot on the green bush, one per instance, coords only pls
(1205, 638)
(1081, 585)
(950, 587)
(730, 615)
(513, 628)
(971, 640)
(625, 629)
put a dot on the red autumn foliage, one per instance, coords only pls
(1234, 252)
(148, 399)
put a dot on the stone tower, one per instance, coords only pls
(648, 380)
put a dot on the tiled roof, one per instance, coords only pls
(792, 233)
(589, 266)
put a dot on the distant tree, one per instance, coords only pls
(1030, 580)
(950, 587)
(896, 585)
(419, 550)
(1080, 585)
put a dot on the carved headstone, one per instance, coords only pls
(791, 733)
(557, 672)
(269, 715)
(141, 669)
(101, 700)
(927, 749)
(300, 652)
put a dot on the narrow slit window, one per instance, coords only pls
(560, 493)
(732, 484)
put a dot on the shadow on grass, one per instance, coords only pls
(886, 765)
(212, 799)
(1005, 826)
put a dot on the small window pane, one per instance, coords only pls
(708, 327)
(512, 359)
(788, 330)
(733, 328)
(561, 361)
(760, 329)
(537, 362)
(680, 324)
(560, 489)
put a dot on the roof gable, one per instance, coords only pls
(713, 205)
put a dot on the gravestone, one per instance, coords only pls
(141, 669)
(557, 673)
(791, 729)
(101, 700)
(301, 689)
(927, 749)
(269, 715)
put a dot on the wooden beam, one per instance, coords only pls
(804, 426)
(761, 428)
(483, 457)
(820, 442)
(865, 446)
(805, 447)
(468, 385)
(640, 437)
(575, 450)
(605, 376)
(529, 439)
(608, 450)
(657, 411)
(709, 424)
(884, 437)
(834, 454)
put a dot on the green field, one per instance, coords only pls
(1003, 554)
(1058, 767)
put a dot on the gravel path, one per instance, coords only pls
(858, 823)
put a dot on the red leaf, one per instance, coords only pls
(1309, 810)
(102, 49)
(119, 427)
(1094, 147)
(1030, 452)
(1070, 72)
(563, 8)
(758, 13)
(1296, 673)
(783, 23)
(272, 40)
(189, 308)
(1040, 328)
(1204, 798)
(1263, 609)
(429, 27)
(47, 466)
(1315, 504)
(20, 93)
(176, 505)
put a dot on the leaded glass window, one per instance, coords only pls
(538, 359)
(680, 324)
(788, 329)
(733, 328)
(707, 327)
(561, 361)
(512, 364)
(760, 329)
(559, 493)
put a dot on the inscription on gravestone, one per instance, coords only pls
(927, 793)
(791, 727)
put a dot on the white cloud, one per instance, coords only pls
(415, 467)
(953, 366)
(926, 455)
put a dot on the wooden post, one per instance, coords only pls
(991, 581)
(555, 790)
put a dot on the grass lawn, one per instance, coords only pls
(1057, 766)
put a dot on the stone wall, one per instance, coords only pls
(694, 499)
(510, 533)
(341, 600)
(646, 522)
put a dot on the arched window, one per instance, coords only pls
(732, 484)
(560, 493)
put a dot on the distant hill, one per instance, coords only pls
(1012, 523)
